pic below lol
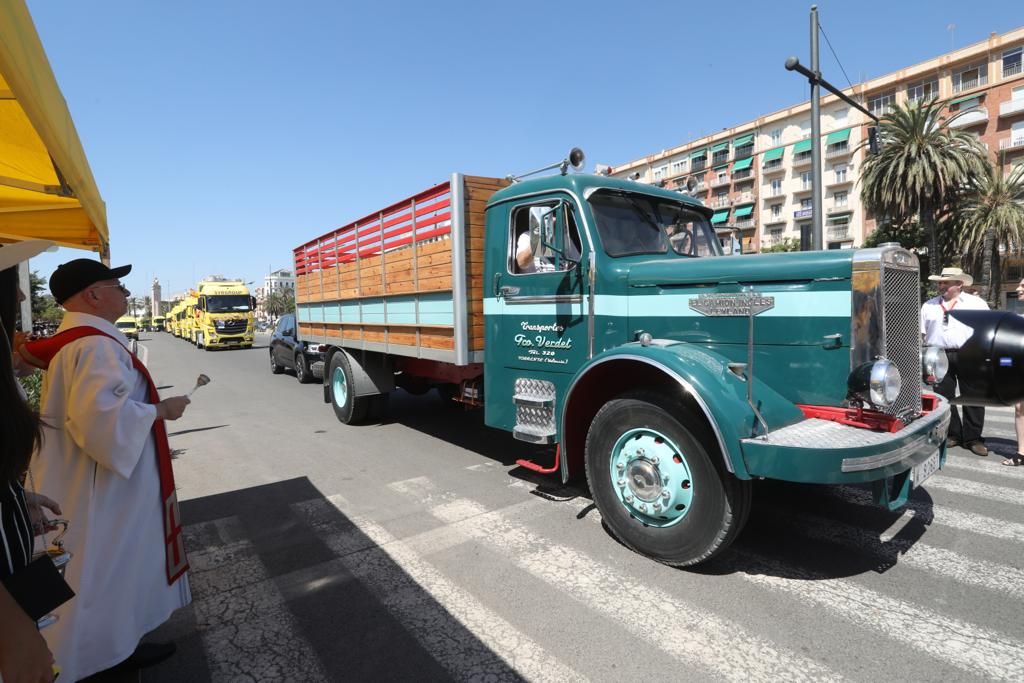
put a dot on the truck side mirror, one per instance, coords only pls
(542, 219)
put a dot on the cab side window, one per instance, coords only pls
(558, 257)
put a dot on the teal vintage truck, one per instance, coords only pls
(669, 376)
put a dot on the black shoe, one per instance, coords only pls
(149, 654)
(952, 443)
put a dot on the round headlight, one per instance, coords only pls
(877, 382)
(934, 364)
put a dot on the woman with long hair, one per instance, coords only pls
(24, 655)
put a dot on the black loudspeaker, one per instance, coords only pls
(992, 360)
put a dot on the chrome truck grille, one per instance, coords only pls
(886, 319)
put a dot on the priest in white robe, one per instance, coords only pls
(100, 459)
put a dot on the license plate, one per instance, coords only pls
(925, 469)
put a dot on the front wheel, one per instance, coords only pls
(275, 367)
(656, 485)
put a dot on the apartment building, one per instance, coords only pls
(757, 175)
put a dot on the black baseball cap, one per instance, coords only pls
(72, 277)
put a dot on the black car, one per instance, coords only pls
(288, 351)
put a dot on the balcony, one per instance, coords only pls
(745, 174)
(745, 222)
(1011, 69)
(802, 159)
(803, 213)
(723, 203)
(748, 197)
(838, 151)
(774, 220)
(773, 192)
(773, 167)
(698, 165)
(965, 84)
(1016, 142)
(743, 152)
(839, 232)
(720, 181)
(971, 117)
(803, 188)
(844, 179)
(719, 158)
(1012, 107)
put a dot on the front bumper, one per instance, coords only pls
(823, 452)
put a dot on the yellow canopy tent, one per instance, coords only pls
(46, 187)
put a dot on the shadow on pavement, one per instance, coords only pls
(197, 429)
(286, 587)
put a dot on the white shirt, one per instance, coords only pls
(952, 334)
(98, 460)
(539, 265)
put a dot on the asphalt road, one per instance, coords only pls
(417, 550)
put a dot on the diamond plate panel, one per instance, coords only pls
(535, 388)
(534, 416)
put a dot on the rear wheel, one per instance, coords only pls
(655, 483)
(302, 372)
(347, 408)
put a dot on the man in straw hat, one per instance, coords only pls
(940, 329)
(105, 456)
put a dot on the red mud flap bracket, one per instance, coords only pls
(534, 467)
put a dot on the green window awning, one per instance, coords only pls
(838, 136)
(965, 99)
(742, 164)
(721, 146)
(743, 140)
(699, 153)
(744, 211)
(802, 146)
(720, 217)
(773, 154)
(719, 168)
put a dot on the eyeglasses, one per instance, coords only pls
(124, 290)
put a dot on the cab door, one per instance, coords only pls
(536, 322)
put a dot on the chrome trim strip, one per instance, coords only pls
(396, 349)
(873, 462)
(668, 371)
(459, 291)
(545, 299)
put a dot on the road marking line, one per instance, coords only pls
(432, 608)
(998, 578)
(685, 631)
(965, 487)
(243, 621)
(962, 644)
(992, 467)
(936, 514)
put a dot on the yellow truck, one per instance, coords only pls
(129, 326)
(223, 315)
(158, 323)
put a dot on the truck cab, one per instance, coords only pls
(128, 326)
(223, 315)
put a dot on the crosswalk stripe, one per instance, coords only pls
(945, 516)
(233, 593)
(399, 578)
(691, 634)
(956, 642)
(964, 487)
(992, 467)
(998, 578)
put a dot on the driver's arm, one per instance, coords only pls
(524, 255)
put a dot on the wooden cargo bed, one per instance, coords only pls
(386, 282)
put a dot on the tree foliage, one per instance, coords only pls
(990, 214)
(280, 302)
(922, 165)
(785, 244)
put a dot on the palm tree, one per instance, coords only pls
(919, 168)
(991, 214)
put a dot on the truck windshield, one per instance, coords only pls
(229, 303)
(125, 325)
(637, 224)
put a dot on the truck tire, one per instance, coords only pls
(302, 372)
(656, 485)
(347, 407)
(275, 369)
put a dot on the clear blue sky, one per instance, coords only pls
(222, 134)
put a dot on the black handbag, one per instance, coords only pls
(38, 587)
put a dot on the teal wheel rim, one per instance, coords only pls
(339, 387)
(651, 477)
